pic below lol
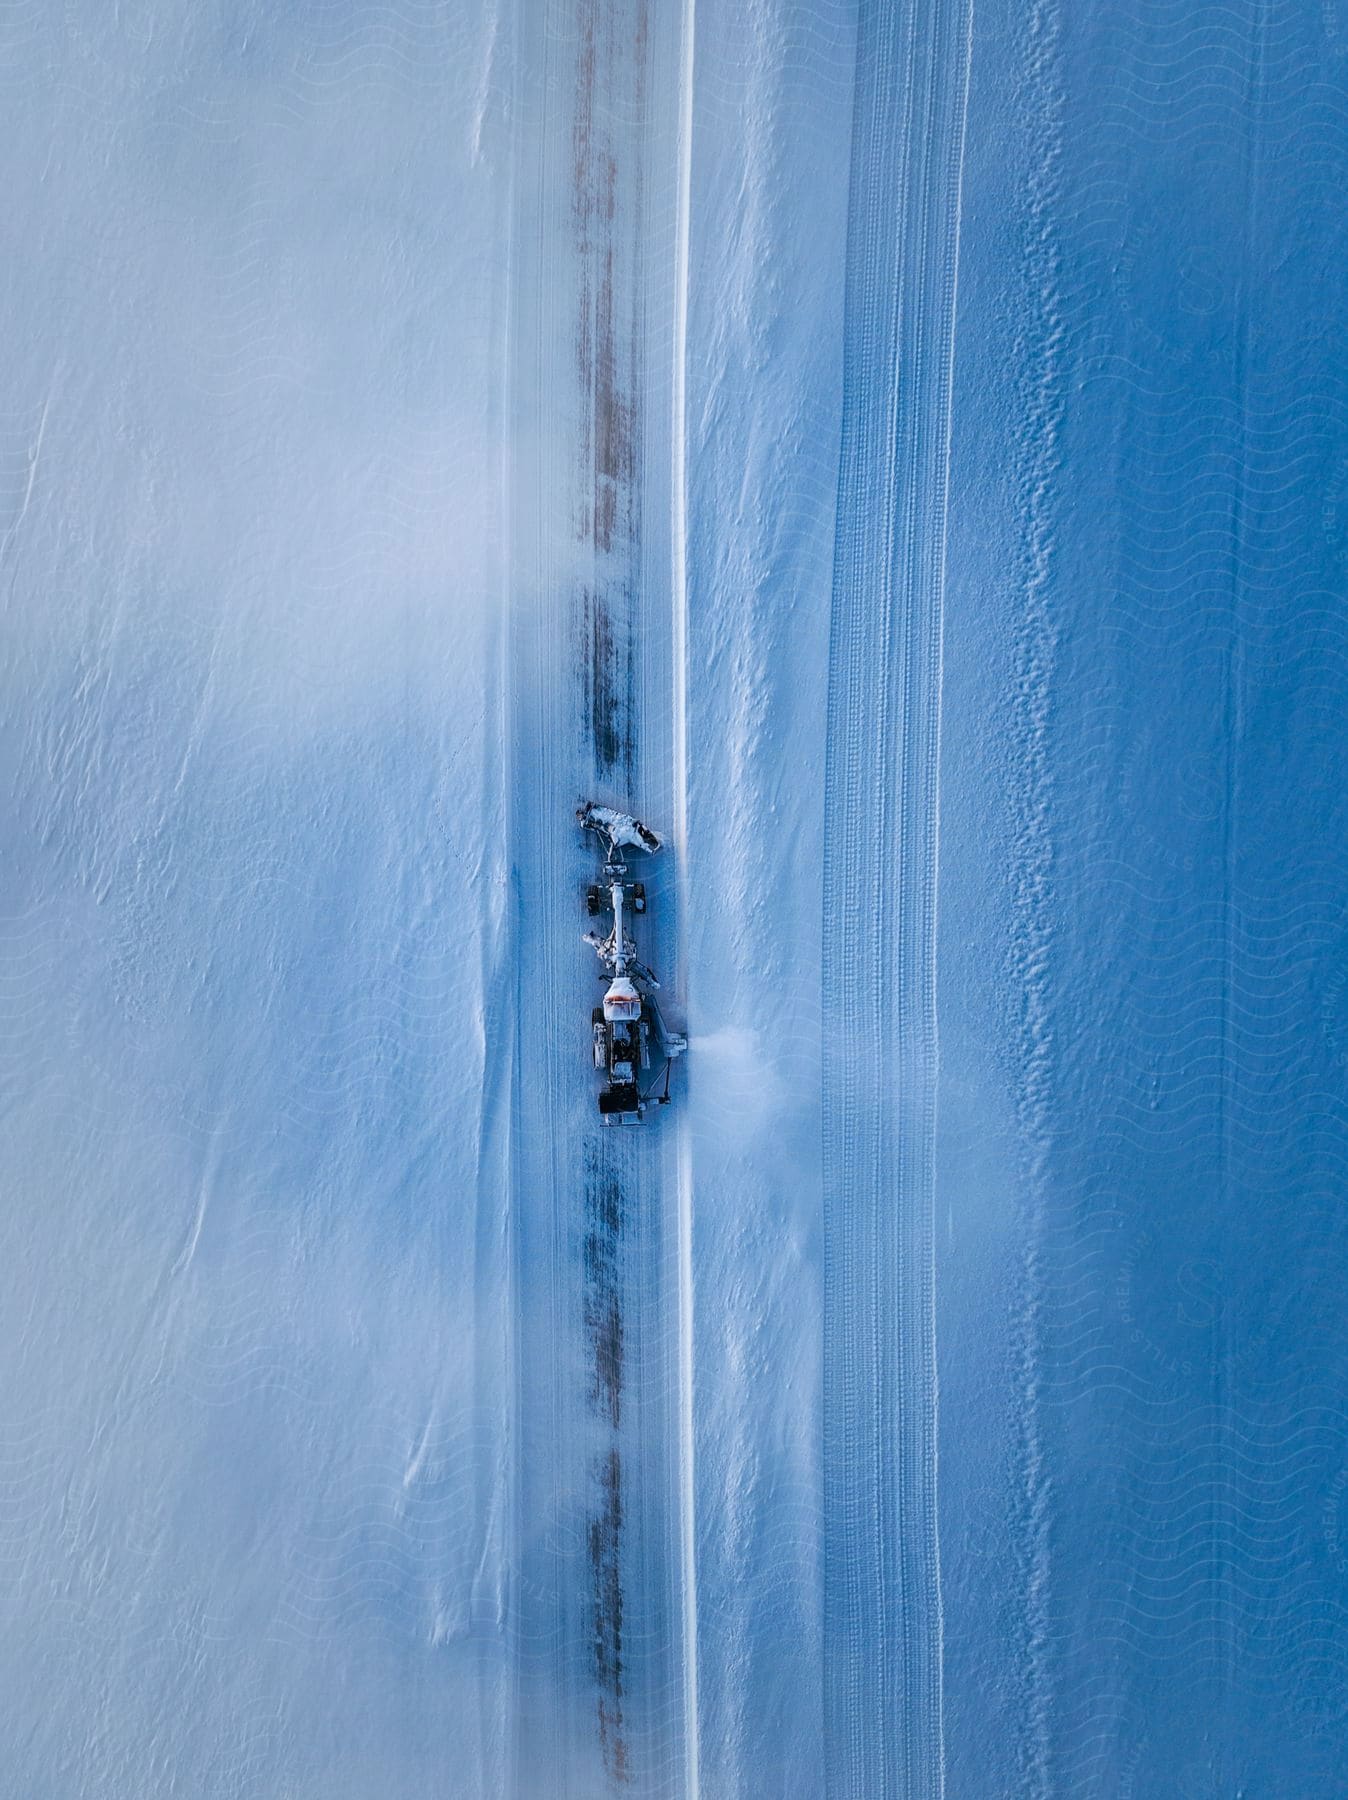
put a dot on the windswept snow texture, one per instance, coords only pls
(254, 1443)
(1141, 1236)
(1021, 1235)
(899, 452)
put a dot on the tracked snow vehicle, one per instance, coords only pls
(632, 1047)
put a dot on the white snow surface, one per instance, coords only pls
(431, 416)
(254, 1440)
(361, 1436)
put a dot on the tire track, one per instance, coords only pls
(595, 1399)
(883, 1624)
(612, 47)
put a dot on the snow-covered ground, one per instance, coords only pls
(899, 451)
(254, 1453)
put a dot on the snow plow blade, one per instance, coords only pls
(619, 830)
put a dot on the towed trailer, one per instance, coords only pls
(632, 1047)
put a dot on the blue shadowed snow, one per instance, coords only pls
(910, 466)
(1142, 1184)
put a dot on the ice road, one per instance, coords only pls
(902, 453)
